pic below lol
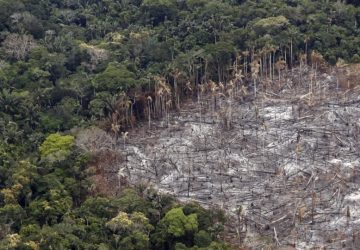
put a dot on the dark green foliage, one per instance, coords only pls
(115, 78)
(63, 64)
(202, 239)
(84, 50)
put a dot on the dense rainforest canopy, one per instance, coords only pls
(68, 64)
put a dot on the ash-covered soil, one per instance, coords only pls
(285, 165)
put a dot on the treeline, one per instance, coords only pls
(66, 64)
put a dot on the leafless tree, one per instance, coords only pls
(97, 55)
(94, 140)
(18, 46)
(255, 69)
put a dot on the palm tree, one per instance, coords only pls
(246, 55)
(149, 102)
(158, 98)
(238, 79)
(167, 111)
(236, 65)
(213, 89)
(231, 85)
(115, 127)
(164, 96)
(221, 87)
(292, 32)
(176, 75)
(303, 60)
(124, 136)
(269, 55)
(317, 60)
(273, 51)
(230, 93)
(128, 112)
(255, 67)
(280, 65)
(200, 93)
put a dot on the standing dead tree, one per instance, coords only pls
(18, 46)
(255, 69)
(292, 165)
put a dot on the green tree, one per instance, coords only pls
(159, 10)
(178, 224)
(57, 147)
(115, 78)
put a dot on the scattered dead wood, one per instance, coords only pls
(290, 158)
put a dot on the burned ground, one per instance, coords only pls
(284, 165)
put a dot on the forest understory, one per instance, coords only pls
(282, 162)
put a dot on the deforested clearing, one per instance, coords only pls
(284, 164)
